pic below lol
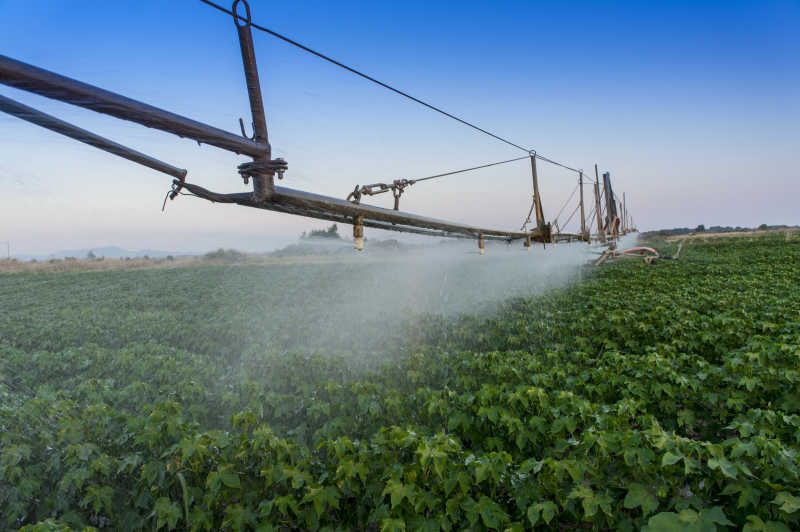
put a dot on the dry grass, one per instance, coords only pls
(90, 265)
(87, 265)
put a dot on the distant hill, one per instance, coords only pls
(108, 252)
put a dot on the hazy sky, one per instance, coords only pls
(694, 108)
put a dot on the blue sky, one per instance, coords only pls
(692, 106)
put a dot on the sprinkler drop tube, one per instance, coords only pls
(358, 233)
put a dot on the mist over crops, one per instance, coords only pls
(351, 390)
(362, 301)
(350, 304)
(345, 304)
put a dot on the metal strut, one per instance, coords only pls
(34, 116)
(612, 219)
(597, 208)
(262, 169)
(51, 85)
(543, 229)
(584, 234)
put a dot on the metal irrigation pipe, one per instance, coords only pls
(315, 205)
(55, 86)
(52, 123)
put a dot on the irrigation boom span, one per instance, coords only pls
(263, 168)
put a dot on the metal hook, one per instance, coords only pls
(241, 126)
(355, 195)
(173, 191)
(236, 16)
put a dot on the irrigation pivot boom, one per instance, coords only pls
(262, 169)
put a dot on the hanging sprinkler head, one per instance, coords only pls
(358, 233)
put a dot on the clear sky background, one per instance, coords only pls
(694, 108)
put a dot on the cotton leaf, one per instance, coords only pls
(638, 496)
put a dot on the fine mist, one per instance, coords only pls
(357, 304)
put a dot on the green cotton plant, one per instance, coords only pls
(645, 397)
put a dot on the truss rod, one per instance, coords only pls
(29, 114)
(51, 85)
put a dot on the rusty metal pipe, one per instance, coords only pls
(536, 197)
(597, 208)
(55, 86)
(583, 215)
(358, 233)
(307, 199)
(263, 180)
(34, 116)
(317, 206)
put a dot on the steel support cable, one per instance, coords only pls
(571, 215)
(417, 180)
(398, 186)
(551, 161)
(361, 74)
(384, 85)
(528, 218)
(590, 219)
(574, 190)
(602, 201)
(589, 224)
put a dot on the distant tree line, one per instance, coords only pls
(716, 229)
(330, 232)
(226, 255)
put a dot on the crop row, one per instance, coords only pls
(644, 397)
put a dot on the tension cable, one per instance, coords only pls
(382, 84)
(398, 186)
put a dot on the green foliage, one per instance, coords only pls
(331, 232)
(688, 520)
(645, 397)
(226, 255)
